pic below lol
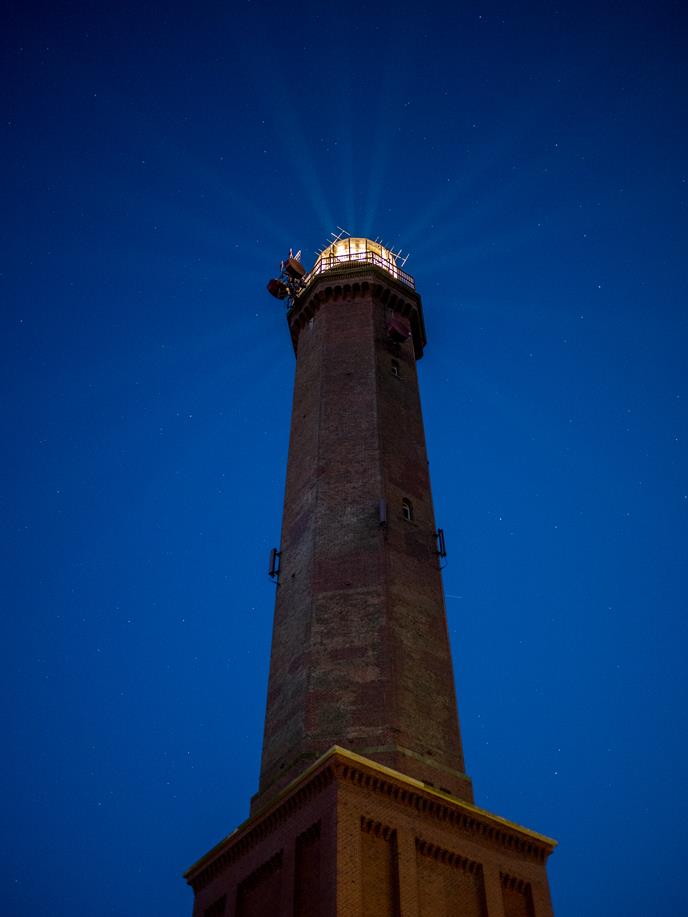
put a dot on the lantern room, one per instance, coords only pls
(349, 252)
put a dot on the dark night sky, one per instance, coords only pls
(159, 160)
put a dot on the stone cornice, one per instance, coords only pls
(260, 825)
(349, 283)
(441, 855)
(343, 765)
(445, 807)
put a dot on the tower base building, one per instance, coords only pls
(352, 838)
(364, 808)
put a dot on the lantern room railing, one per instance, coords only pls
(330, 260)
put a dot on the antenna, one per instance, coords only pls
(335, 237)
(291, 279)
(293, 276)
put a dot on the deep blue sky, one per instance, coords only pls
(158, 162)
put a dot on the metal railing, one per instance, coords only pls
(329, 262)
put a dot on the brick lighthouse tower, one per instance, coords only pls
(364, 808)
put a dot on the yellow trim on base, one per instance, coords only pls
(439, 793)
(383, 769)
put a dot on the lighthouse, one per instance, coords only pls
(364, 807)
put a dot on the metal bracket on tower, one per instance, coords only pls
(291, 279)
(275, 565)
(441, 547)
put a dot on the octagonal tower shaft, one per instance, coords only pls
(360, 649)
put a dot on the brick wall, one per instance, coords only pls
(308, 874)
(360, 651)
(351, 839)
(379, 870)
(449, 885)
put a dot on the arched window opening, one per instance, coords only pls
(407, 510)
(395, 367)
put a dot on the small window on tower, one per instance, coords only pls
(407, 510)
(395, 367)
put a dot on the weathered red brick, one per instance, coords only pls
(364, 809)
